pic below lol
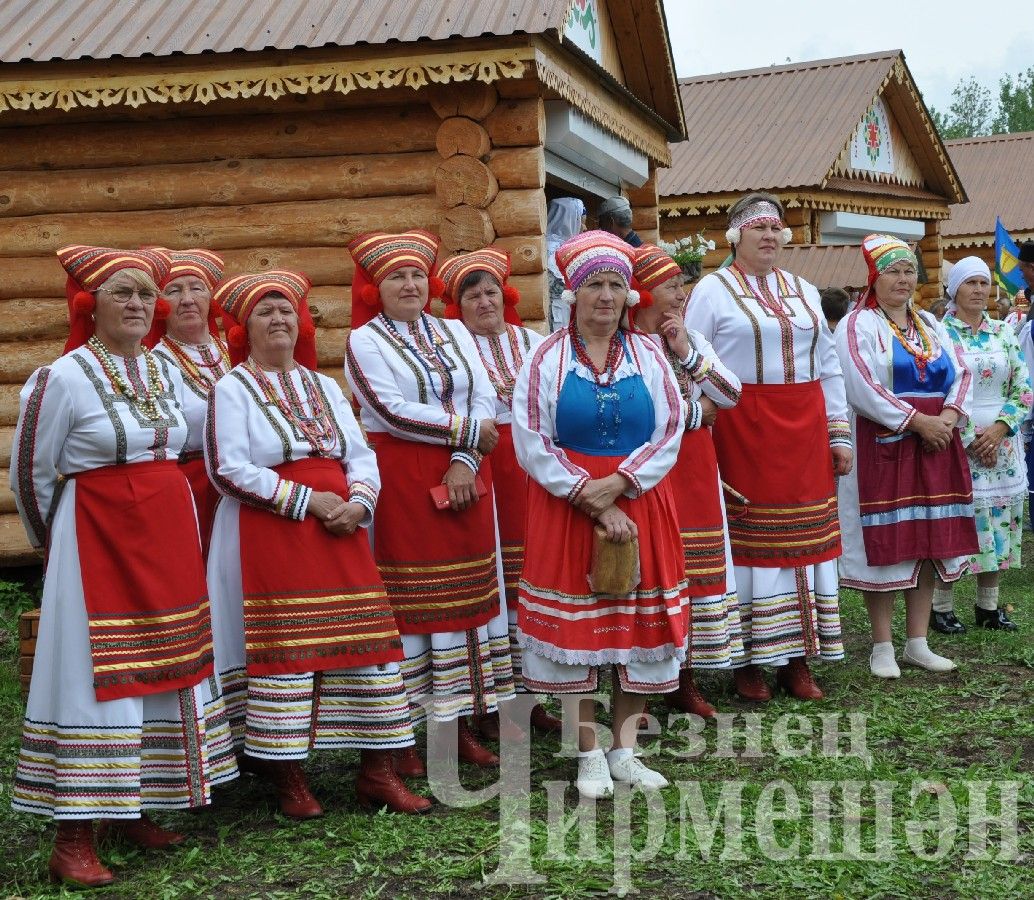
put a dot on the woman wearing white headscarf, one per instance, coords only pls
(565, 217)
(1001, 402)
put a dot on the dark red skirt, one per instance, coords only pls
(312, 600)
(773, 447)
(698, 505)
(511, 499)
(913, 504)
(205, 496)
(438, 566)
(143, 580)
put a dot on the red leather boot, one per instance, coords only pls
(470, 750)
(488, 726)
(142, 832)
(408, 763)
(543, 721)
(688, 698)
(292, 789)
(750, 684)
(378, 785)
(796, 679)
(74, 860)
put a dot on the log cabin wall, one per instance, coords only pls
(267, 184)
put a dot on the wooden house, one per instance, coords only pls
(273, 131)
(998, 173)
(847, 144)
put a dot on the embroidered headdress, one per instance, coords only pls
(237, 298)
(651, 267)
(203, 264)
(591, 252)
(88, 268)
(377, 255)
(753, 215)
(492, 260)
(880, 252)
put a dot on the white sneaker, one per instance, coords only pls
(630, 770)
(594, 781)
(925, 658)
(882, 663)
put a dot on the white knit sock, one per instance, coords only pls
(882, 663)
(944, 599)
(987, 597)
(918, 653)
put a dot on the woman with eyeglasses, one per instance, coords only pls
(120, 718)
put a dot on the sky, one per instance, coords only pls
(943, 40)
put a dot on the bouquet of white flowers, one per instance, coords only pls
(688, 252)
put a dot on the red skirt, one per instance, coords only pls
(205, 495)
(773, 447)
(913, 504)
(312, 600)
(511, 499)
(698, 505)
(143, 580)
(438, 566)
(562, 619)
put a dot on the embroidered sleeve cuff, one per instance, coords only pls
(1008, 424)
(903, 427)
(959, 410)
(577, 489)
(291, 499)
(839, 433)
(694, 415)
(636, 489)
(697, 367)
(469, 458)
(360, 492)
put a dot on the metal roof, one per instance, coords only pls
(41, 30)
(996, 172)
(772, 128)
(826, 265)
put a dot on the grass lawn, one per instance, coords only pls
(956, 732)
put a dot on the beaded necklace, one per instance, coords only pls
(147, 403)
(610, 364)
(429, 356)
(192, 369)
(776, 306)
(318, 429)
(503, 378)
(914, 339)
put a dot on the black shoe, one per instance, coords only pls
(947, 622)
(995, 619)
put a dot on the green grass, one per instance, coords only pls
(958, 730)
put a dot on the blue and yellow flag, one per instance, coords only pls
(1007, 256)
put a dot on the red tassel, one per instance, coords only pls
(237, 337)
(162, 308)
(511, 296)
(371, 296)
(645, 298)
(435, 286)
(83, 303)
(452, 311)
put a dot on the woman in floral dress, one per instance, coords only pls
(1001, 401)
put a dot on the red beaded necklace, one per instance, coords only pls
(610, 364)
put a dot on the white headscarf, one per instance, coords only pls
(966, 268)
(563, 221)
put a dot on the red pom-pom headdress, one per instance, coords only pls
(377, 255)
(237, 298)
(492, 260)
(90, 267)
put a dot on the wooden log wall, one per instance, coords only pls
(268, 185)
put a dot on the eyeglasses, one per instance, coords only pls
(124, 295)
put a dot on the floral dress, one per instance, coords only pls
(1001, 393)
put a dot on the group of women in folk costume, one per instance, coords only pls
(353, 589)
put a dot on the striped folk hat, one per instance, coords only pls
(879, 252)
(590, 252)
(377, 254)
(237, 298)
(203, 264)
(653, 267)
(88, 268)
(492, 260)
